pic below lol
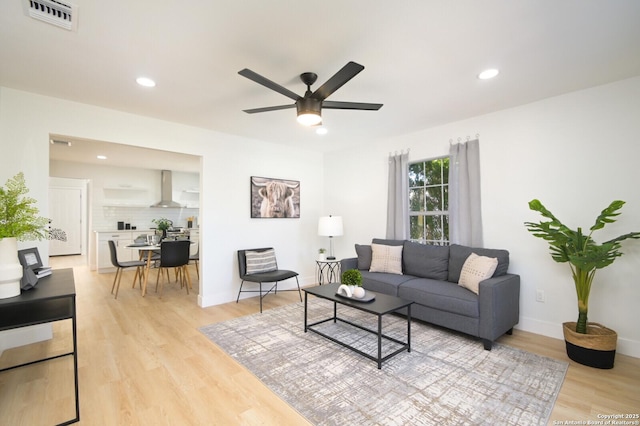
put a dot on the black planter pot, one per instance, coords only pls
(595, 349)
(591, 357)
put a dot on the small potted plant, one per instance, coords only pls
(321, 254)
(19, 220)
(587, 343)
(353, 279)
(163, 224)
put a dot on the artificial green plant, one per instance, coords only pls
(352, 277)
(582, 253)
(18, 214)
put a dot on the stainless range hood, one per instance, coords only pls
(166, 192)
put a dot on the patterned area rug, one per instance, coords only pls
(446, 379)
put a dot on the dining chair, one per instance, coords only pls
(175, 254)
(195, 258)
(121, 266)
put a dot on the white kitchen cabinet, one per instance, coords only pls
(122, 239)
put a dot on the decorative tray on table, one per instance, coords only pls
(345, 291)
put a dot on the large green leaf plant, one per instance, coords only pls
(582, 253)
(18, 214)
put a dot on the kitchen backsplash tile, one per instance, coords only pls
(106, 218)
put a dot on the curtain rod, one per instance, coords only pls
(396, 152)
(460, 139)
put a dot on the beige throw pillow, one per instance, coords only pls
(475, 269)
(386, 259)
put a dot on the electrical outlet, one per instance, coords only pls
(540, 296)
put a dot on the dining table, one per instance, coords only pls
(146, 252)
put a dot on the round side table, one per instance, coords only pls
(328, 271)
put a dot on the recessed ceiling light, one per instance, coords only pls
(146, 82)
(321, 131)
(487, 74)
(101, 157)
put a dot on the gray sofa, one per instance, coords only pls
(429, 277)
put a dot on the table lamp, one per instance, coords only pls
(330, 226)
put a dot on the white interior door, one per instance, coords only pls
(65, 211)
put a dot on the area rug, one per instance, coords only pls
(446, 379)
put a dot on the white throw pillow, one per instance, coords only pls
(475, 269)
(261, 261)
(386, 259)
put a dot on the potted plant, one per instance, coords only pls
(587, 343)
(19, 220)
(321, 254)
(163, 225)
(352, 277)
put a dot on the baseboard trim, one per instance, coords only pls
(545, 328)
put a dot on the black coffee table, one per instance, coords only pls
(383, 304)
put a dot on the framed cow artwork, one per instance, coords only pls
(274, 198)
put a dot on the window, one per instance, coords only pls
(429, 201)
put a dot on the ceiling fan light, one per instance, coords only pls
(309, 111)
(309, 119)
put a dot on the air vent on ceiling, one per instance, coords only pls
(60, 14)
(59, 142)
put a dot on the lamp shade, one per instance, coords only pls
(330, 226)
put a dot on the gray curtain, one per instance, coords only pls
(465, 217)
(398, 197)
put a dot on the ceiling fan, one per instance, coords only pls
(310, 105)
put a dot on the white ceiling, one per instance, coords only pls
(421, 59)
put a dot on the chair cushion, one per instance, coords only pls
(476, 269)
(261, 261)
(271, 276)
(386, 259)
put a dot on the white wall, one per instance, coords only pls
(576, 153)
(26, 120)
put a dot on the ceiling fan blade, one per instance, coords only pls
(337, 81)
(268, 83)
(351, 105)
(265, 109)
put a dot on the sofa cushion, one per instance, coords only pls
(386, 259)
(387, 242)
(364, 256)
(475, 269)
(458, 255)
(382, 282)
(425, 261)
(441, 295)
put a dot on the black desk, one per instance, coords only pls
(53, 299)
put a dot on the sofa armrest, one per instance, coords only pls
(349, 263)
(499, 299)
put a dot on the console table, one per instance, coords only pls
(53, 299)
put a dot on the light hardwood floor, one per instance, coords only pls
(142, 361)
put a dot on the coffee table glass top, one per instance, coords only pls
(382, 304)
